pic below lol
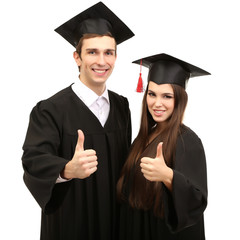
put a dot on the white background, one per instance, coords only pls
(36, 63)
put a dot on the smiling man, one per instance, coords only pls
(96, 61)
(78, 139)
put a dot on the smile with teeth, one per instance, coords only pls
(159, 112)
(100, 71)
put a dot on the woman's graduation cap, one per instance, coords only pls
(164, 68)
(97, 19)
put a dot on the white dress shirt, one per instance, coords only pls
(99, 105)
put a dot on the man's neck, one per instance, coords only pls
(98, 89)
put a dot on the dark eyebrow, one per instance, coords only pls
(149, 90)
(111, 50)
(95, 49)
(91, 49)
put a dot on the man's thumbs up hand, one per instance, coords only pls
(83, 163)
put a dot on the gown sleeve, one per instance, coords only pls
(41, 157)
(184, 207)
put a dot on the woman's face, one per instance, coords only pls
(160, 101)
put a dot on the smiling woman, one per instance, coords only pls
(160, 101)
(164, 183)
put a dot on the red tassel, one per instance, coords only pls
(140, 84)
(140, 81)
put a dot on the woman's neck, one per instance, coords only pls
(154, 133)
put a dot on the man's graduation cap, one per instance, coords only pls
(97, 19)
(164, 68)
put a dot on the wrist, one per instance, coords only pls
(66, 172)
(168, 178)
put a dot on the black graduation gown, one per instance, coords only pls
(77, 209)
(183, 208)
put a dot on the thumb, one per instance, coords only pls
(159, 150)
(80, 141)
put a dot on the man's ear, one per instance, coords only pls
(77, 58)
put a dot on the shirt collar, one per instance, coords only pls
(86, 94)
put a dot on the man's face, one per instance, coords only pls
(98, 56)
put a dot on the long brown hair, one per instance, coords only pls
(134, 188)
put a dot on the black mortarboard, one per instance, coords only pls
(97, 19)
(164, 68)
